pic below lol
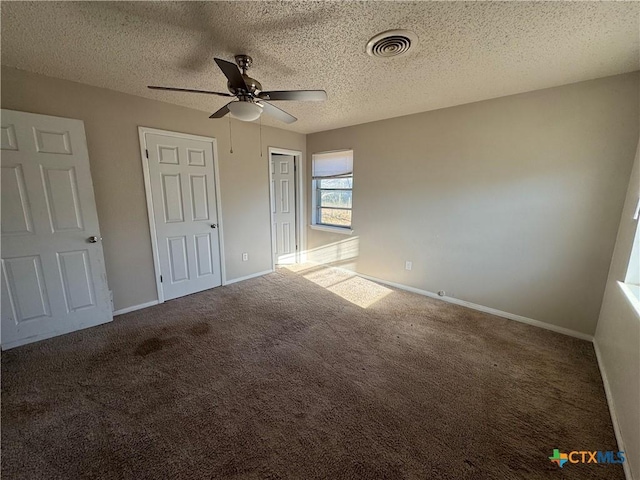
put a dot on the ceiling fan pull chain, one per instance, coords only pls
(260, 136)
(230, 138)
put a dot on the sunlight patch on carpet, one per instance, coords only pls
(360, 291)
(347, 285)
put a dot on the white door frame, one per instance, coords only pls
(142, 131)
(301, 214)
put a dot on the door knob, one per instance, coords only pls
(94, 239)
(214, 225)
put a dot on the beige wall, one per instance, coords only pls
(511, 203)
(618, 334)
(111, 121)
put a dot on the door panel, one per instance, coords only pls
(203, 254)
(283, 208)
(52, 141)
(285, 188)
(199, 197)
(286, 238)
(168, 155)
(16, 212)
(63, 205)
(8, 137)
(181, 174)
(172, 198)
(77, 280)
(53, 280)
(27, 291)
(178, 262)
(196, 157)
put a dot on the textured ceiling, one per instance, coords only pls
(467, 51)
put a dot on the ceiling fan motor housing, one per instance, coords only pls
(246, 108)
(252, 86)
(244, 62)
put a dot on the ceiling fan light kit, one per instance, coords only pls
(251, 99)
(245, 111)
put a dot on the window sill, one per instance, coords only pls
(326, 228)
(632, 292)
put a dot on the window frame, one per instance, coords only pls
(316, 191)
(631, 284)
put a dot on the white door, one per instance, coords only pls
(283, 206)
(53, 274)
(185, 217)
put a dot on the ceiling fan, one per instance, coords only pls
(251, 102)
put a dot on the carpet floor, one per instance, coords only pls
(304, 373)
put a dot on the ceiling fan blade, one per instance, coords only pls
(222, 112)
(300, 95)
(190, 90)
(232, 72)
(277, 113)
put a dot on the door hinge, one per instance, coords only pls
(160, 278)
(146, 152)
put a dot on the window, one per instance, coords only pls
(332, 189)
(632, 279)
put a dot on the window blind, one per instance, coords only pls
(332, 164)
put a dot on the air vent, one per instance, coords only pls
(391, 43)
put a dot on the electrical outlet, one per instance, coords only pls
(245, 257)
(408, 265)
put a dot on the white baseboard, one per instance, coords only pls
(473, 306)
(135, 307)
(247, 277)
(612, 410)
(482, 308)
(156, 302)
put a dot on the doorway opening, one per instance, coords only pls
(286, 194)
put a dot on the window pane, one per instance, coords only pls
(336, 183)
(335, 198)
(329, 216)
